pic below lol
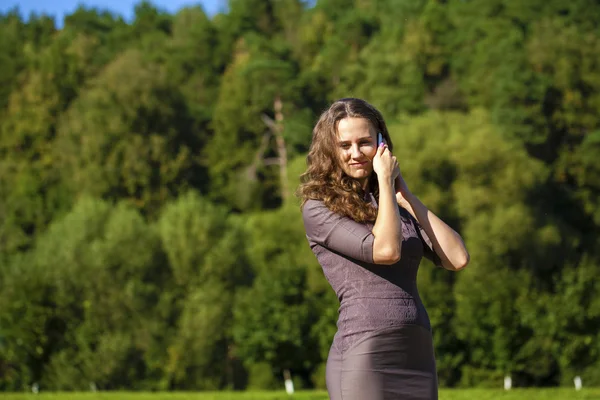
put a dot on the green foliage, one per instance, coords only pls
(260, 377)
(199, 239)
(142, 150)
(578, 352)
(205, 252)
(98, 291)
(273, 318)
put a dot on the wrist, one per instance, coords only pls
(386, 188)
(385, 180)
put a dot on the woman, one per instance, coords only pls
(369, 233)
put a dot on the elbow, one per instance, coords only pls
(461, 262)
(388, 255)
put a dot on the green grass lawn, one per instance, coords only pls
(445, 394)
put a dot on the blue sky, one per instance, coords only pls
(58, 8)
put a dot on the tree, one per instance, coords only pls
(205, 250)
(31, 194)
(273, 319)
(16, 38)
(258, 110)
(99, 272)
(128, 137)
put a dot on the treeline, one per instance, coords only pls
(149, 234)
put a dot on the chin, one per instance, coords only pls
(360, 175)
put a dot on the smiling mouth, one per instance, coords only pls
(358, 164)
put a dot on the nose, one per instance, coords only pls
(356, 153)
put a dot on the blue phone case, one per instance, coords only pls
(379, 139)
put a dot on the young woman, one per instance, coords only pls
(369, 234)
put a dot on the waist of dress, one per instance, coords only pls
(363, 318)
(366, 314)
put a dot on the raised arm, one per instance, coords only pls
(387, 244)
(446, 242)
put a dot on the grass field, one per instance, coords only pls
(454, 394)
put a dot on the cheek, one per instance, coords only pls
(370, 152)
(341, 160)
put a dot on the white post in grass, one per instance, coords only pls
(578, 383)
(35, 388)
(289, 385)
(507, 382)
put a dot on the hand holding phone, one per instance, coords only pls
(385, 164)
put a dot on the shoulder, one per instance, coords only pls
(318, 219)
(312, 205)
(315, 210)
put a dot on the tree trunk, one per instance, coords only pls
(276, 127)
(281, 148)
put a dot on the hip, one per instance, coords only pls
(390, 363)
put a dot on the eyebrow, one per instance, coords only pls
(348, 141)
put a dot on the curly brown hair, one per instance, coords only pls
(324, 178)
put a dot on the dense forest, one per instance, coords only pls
(150, 237)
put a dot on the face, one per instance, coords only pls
(357, 145)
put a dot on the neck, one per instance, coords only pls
(365, 184)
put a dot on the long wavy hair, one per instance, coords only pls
(324, 178)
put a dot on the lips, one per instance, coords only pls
(358, 164)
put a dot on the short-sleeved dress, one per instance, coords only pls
(383, 347)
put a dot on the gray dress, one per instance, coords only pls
(383, 347)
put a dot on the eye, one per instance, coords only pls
(345, 146)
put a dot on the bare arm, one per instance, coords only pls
(387, 230)
(447, 243)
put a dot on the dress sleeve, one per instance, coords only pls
(428, 251)
(338, 233)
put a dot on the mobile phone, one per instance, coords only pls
(379, 139)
